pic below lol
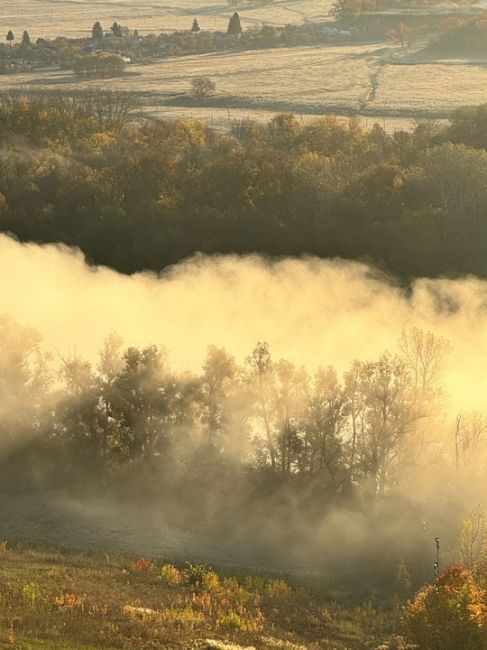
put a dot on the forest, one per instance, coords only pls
(83, 169)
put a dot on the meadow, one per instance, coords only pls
(51, 18)
(375, 81)
(63, 600)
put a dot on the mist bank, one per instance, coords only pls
(310, 311)
(288, 413)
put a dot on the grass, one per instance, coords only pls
(54, 599)
(39, 644)
(306, 77)
(369, 80)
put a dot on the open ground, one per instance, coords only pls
(375, 81)
(74, 18)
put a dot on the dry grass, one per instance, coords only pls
(74, 18)
(344, 79)
(435, 88)
(310, 77)
(222, 119)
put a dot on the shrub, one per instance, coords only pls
(198, 575)
(449, 614)
(142, 564)
(170, 575)
(277, 589)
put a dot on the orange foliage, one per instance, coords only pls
(449, 614)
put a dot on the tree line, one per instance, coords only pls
(262, 450)
(82, 168)
(336, 432)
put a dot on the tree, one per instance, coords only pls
(103, 65)
(262, 379)
(219, 374)
(116, 30)
(449, 614)
(382, 411)
(288, 402)
(472, 540)
(97, 32)
(196, 26)
(202, 87)
(324, 427)
(24, 380)
(26, 39)
(402, 34)
(10, 37)
(234, 25)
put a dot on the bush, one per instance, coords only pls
(198, 575)
(449, 614)
(170, 575)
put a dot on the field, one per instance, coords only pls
(370, 80)
(74, 18)
(430, 88)
(51, 599)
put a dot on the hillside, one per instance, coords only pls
(67, 600)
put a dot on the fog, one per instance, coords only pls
(313, 312)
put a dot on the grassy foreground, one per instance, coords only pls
(68, 600)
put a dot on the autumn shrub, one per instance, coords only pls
(277, 589)
(198, 575)
(142, 564)
(449, 614)
(169, 574)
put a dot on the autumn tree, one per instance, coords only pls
(449, 613)
(472, 540)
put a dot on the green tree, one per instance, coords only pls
(10, 37)
(116, 30)
(97, 32)
(26, 39)
(196, 26)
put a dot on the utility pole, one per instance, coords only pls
(436, 565)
